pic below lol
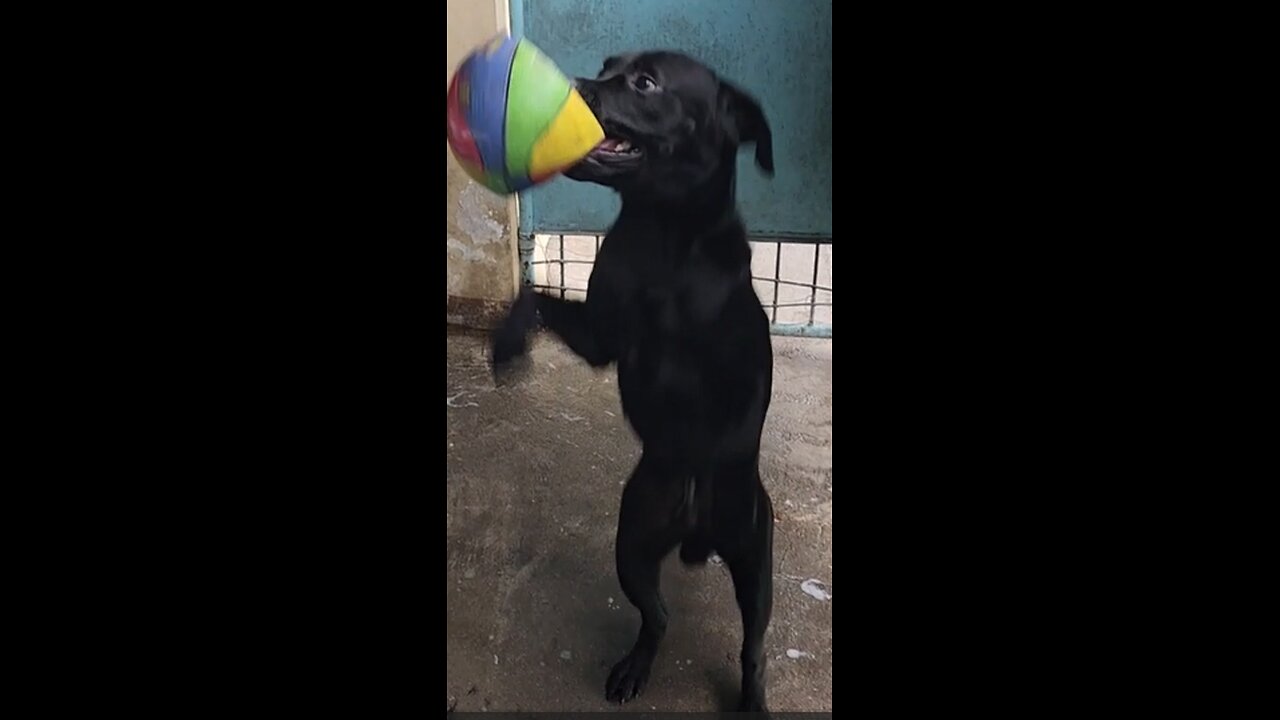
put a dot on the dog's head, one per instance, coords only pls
(671, 125)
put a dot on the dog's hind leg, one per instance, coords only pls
(744, 538)
(650, 524)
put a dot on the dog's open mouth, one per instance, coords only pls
(612, 158)
(614, 149)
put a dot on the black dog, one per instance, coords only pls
(670, 301)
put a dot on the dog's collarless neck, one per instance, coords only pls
(689, 222)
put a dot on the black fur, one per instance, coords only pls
(670, 301)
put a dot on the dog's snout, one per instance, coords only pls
(586, 90)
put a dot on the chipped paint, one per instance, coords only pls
(469, 253)
(476, 210)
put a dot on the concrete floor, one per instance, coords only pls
(536, 617)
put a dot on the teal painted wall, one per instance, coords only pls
(779, 50)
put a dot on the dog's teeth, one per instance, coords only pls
(624, 145)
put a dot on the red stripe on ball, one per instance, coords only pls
(460, 139)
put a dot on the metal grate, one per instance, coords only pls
(792, 277)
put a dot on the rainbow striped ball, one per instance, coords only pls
(515, 120)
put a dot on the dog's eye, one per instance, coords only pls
(644, 83)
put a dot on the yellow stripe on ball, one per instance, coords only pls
(572, 134)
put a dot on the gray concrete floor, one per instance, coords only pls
(536, 617)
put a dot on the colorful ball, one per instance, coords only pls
(515, 120)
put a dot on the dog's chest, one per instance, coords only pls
(667, 294)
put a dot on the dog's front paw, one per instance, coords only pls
(510, 340)
(505, 346)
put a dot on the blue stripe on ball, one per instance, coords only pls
(487, 117)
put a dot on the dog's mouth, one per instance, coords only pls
(613, 149)
(612, 158)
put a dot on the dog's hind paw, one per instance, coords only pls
(753, 702)
(629, 677)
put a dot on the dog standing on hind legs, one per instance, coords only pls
(670, 301)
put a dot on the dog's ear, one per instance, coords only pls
(744, 122)
(614, 61)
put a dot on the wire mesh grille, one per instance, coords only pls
(792, 278)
